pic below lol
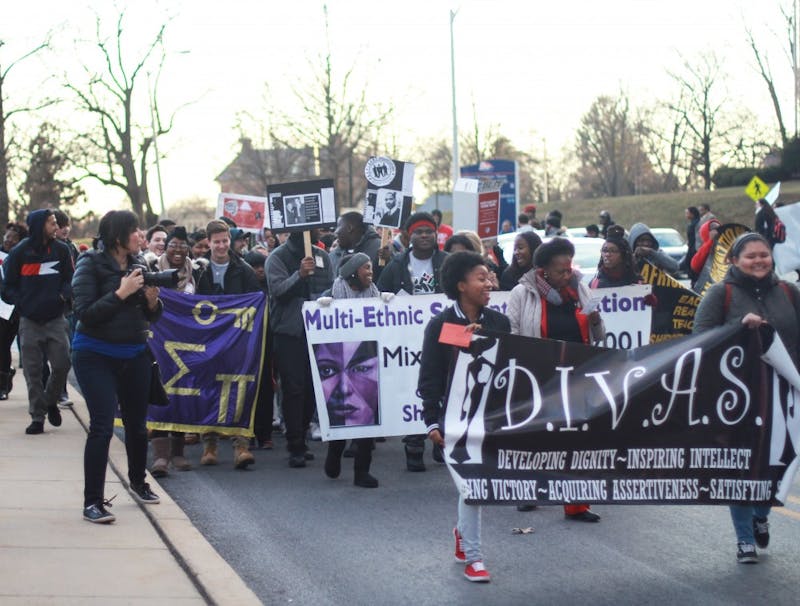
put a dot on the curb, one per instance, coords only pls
(213, 577)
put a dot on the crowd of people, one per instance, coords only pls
(92, 311)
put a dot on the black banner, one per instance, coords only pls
(699, 420)
(673, 315)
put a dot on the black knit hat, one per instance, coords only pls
(179, 232)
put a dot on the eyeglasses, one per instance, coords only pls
(176, 246)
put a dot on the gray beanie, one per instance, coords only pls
(352, 263)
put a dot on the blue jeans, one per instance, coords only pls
(104, 382)
(742, 516)
(469, 527)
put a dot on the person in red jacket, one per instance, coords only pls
(708, 235)
(443, 231)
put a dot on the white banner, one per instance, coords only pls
(626, 316)
(365, 360)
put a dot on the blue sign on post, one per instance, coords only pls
(504, 172)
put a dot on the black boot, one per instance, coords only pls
(414, 461)
(5, 379)
(333, 460)
(362, 462)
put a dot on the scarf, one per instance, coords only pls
(185, 278)
(342, 290)
(558, 297)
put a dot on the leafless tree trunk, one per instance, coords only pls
(7, 139)
(115, 152)
(766, 75)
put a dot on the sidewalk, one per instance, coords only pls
(152, 554)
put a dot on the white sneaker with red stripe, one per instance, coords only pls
(461, 557)
(477, 573)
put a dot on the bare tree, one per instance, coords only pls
(766, 74)
(701, 109)
(611, 150)
(335, 118)
(116, 150)
(46, 183)
(8, 141)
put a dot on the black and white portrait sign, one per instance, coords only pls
(706, 419)
(390, 186)
(302, 206)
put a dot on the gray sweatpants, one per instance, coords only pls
(51, 338)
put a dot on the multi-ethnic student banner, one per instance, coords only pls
(210, 349)
(674, 306)
(717, 262)
(365, 356)
(551, 422)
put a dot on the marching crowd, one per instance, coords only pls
(91, 311)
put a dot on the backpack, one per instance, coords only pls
(729, 294)
(778, 231)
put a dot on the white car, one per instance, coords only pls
(586, 259)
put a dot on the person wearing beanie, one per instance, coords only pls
(645, 248)
(343, 390)
(416, 272)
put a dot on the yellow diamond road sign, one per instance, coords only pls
(756, 189)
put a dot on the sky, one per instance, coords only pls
(531, 69)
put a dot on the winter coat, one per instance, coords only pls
(435, 368)
(239, 278)
(369, 244)
(766, 298)
(38, 274)
(525, 309)
(396, 275)
(100, 312)
(657, 257)
(288, 291)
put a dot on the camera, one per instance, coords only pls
(163, 279)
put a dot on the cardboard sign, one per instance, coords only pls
(302, 206)
(476, 207)
(390, 185)
(248, 212)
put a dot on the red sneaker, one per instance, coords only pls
(477, 573)
(461, 557)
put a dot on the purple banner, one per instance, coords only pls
(211, 350)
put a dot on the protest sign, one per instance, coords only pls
(787, 254)
(250, 213)
(626, 316)
(502, 175)
(390, 188)
(673, 315)
(375, 346)
(302, 206)
(539, 421)
(717, 262)
(210, 349)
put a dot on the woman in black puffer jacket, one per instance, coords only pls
(110, 357)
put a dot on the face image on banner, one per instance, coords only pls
(389, 207)
(348, 372)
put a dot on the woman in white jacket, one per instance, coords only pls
(548, 303)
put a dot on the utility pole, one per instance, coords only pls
(456, 172)
(546, 194)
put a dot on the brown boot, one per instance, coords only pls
(209, 450)
(242, 457)
(179, 462)
(160, 448)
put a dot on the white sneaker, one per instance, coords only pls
(315, 431)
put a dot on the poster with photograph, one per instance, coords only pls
(248, 212)
(302, 205)
(390, 186)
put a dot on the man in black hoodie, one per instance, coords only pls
(38, 276)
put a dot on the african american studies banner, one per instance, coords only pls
(716, 264)
(365, 356)
(679, 422)
(673, 315)
(210, 349)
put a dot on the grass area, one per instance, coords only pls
(730, 205)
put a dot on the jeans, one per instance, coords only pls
(50, 337)
(742, 517)
(469, 527)
(106, 381)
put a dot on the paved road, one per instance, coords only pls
(297, 537)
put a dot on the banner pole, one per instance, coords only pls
(307, 244)
(385, 237)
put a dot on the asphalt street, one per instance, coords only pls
(297, 537)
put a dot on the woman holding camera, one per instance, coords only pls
(109, 355)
